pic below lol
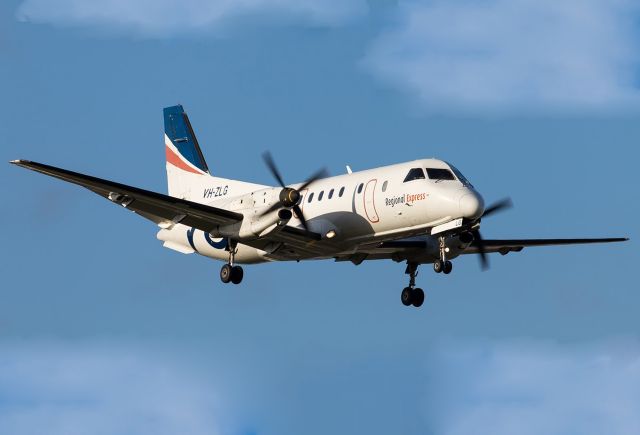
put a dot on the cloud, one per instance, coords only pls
(511, 54)
(162, 18)
(62, 389)
(521, 387)
(534, 388)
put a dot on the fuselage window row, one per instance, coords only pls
(330, 195)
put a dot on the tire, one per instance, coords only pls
(438, 266)
(236, 274)
(406, 297)
(448, 267)
(418, 297)
(225, 273)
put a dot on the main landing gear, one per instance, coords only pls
(229, 272)
(412, 295)
(443, 265)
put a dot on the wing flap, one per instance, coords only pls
(151, 205)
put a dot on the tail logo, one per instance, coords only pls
(175, 158)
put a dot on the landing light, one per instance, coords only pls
(330, 234)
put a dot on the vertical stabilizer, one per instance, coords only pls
(184, 157)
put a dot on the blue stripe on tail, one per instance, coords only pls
(178, 128)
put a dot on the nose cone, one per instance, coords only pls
(471, 205)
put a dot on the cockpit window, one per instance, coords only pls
(414, 174)
(440, 174)
(461, 177)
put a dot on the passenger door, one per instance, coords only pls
(369, 201)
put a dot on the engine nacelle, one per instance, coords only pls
(255, 226)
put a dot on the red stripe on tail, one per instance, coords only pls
(176, 161)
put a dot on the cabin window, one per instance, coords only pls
(360, 187)
(414, 174)
(320, 195)
(341, 192)
(310, 197)
(330, 194)
(440, 174)
(384, 186)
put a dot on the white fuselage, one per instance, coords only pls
(356, 209)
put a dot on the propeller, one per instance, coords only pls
(502, 205)
(290, 197)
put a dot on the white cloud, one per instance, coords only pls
(532, 388)
(505, 54)
(524, 388)
(162, 18)
(58, 389)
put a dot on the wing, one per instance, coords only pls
(414, 249)
(517, 245)
(291, 243)
(154, 206)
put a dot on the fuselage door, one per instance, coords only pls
(369, 201)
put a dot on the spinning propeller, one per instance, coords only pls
(290, 197)
(501, 205)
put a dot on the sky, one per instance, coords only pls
(104, 331)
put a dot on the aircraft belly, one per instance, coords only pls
(191, 240)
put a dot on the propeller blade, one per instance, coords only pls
(268, 160)
(484, 259)
(322, 173)
(498, 206)
(298, 212)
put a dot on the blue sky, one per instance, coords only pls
(104, 331)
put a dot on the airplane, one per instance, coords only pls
(419, 212)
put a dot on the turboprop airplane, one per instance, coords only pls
(419, 212)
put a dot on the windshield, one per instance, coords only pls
(461, 177)
(439, 174)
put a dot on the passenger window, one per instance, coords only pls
(414, 174)
(310, 197)
(320, 196)
(341, 192)
(384, 186)
(440, 174)
(360, 187)
(331, 194)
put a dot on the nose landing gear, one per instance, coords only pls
(229, 272)
(412, 295)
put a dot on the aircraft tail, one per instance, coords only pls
(185, 162)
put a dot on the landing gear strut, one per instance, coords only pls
(229, 272)
(412, 295)
(443, 265)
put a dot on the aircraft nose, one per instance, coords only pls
(471, 205)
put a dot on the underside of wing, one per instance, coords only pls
(415, 249)
(517, 245)
(159, 208)
(293, 243)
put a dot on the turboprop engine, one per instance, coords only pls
(260, 217)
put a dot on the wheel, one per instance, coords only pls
(418, 297)
(225, 273)
(438, 266)
(236, 274)
(448, 267)
(406, 296)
